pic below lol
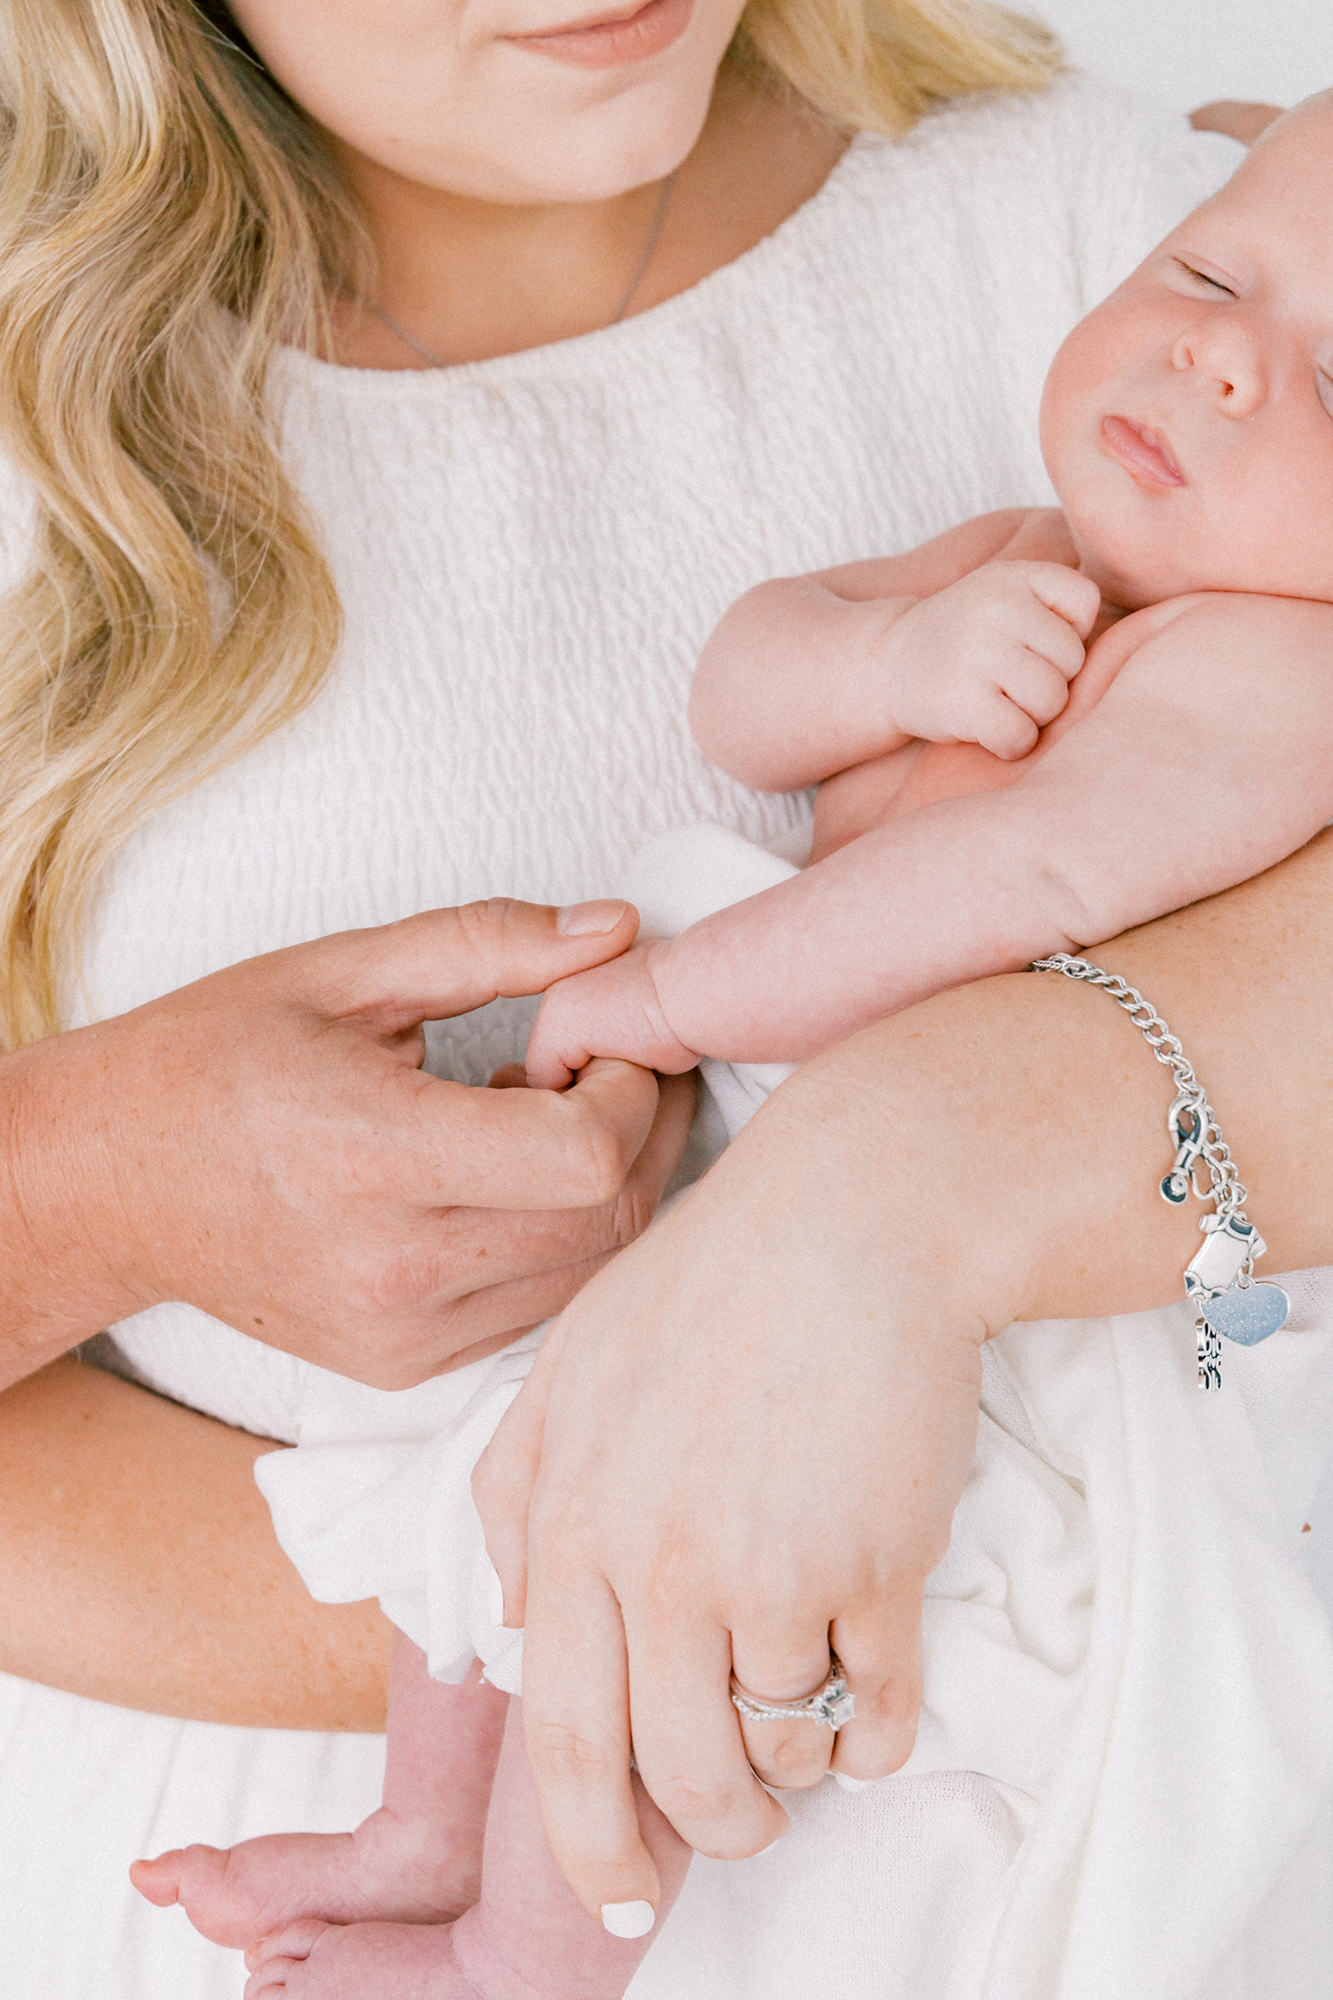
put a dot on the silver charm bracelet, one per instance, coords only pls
(1219, 1279)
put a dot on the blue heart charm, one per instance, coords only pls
(1247, 1316)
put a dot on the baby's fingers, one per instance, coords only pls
(1003, 728)
(1033, 684)
(1073, 598)
(1048, 636)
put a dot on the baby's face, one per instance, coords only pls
(1187, 423)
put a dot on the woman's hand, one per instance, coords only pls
(746, 1438)
(1236, 118)
(265, 1145)
(752, 1432)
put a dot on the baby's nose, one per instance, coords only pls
(1229, 358)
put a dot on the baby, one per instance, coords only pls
(1029, 734)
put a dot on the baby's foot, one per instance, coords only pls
(390, 1867)
(311, 1960)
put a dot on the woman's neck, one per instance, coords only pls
(470, 279)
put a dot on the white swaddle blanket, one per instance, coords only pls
(1121, 1639)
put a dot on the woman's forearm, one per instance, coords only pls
(1033, 1113)
(138, 1566)
(990, 1155)
(1244, 980)
(57, 1285)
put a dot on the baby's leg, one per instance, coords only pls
(527, 1938)
(418, 1858)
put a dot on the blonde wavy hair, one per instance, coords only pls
(167, 217)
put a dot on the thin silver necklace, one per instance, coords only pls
(640, 271)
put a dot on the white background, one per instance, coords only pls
(1188, 51)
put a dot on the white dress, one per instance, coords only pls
(529, 552)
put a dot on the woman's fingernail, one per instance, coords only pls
(849, 1783)
(628, 1920)
(589, 919)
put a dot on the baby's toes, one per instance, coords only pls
(200, 1880)
(271, 1984)
(291, 1944)
(159, 1880)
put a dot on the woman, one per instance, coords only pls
(181, 194)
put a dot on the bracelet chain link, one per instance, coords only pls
(1224, 1268)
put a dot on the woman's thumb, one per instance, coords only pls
(444, 962)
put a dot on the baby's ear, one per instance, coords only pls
(1235, 118)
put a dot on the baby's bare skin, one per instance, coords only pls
(920, 773)
(1199, 752)
(1187, 424)
(448, 1892)
(418, 1859)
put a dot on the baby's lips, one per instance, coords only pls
(1143, 451)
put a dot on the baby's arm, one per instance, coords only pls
(972, 637)
(1209, 758)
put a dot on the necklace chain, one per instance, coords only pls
(640, 272)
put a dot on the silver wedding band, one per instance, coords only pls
(831, 1705)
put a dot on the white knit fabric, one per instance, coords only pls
(529, 552)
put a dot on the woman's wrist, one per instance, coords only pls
(61, 1279)
(883, 1118)
(1021, 1127)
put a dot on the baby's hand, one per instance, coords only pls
(989, 659)
(612, 1010)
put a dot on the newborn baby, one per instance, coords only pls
(1029, 734)
(1187, 425)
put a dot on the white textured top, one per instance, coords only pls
(531, 550)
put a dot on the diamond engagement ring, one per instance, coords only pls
(830, 1704)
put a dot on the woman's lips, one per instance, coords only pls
(1144, 453)
(607, 40)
